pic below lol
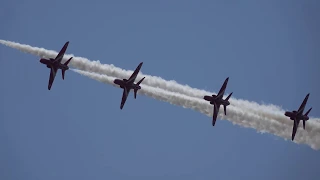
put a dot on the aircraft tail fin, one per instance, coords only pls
(140, 81)
(308, 112)
(135, 93)
(67, 62)
(63, 72)
(229, 96)
(304, 121)
(136, 90)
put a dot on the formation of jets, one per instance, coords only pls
(128, 84)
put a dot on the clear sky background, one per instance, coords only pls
(269, 49)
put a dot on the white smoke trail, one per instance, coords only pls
(81, 63)
(110, 70)
(272, 113)
(310, 136)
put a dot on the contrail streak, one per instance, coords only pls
(154, 81)
(264, 114)
(95, 66)
(310, 136)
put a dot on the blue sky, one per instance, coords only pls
(269, 49)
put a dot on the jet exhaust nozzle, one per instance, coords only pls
(43, 61)
(207, 98)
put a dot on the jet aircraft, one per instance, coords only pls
(296, 116)
(217, 101)
(55, 64)
(128, 84)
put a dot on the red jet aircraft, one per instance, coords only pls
(217, 101)
(129, 84)
(55, 64)
(296, 116)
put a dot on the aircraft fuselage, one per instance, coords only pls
(51, 63)
(219, 101)
(123, 83)
(294, 115)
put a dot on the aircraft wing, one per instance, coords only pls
(215, 113)
(303, 104)
(295, 127)
(124, 96)
(53, 72)
(62, 51)
(223, 88)
(134, 74)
